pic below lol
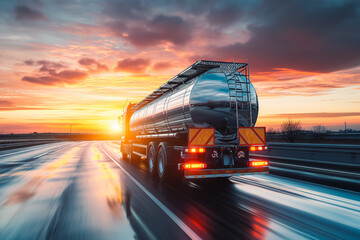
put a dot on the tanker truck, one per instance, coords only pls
(199, 124)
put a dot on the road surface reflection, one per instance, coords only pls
(76, 191)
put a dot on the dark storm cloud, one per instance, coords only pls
(24, 13)
(318, 36)
(144, 9)
(160, 29)
(136, 65)
(125, 9)
(224, 15)
(144, 24)
(307, 35)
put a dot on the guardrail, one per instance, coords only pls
(335, 153)
(328, 164)
(11, 144)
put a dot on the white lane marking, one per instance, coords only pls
(144, 227)
(12, 153)
(31, 150)
(25, 151)
(50, 151)
(170, 214)
(37, 148)
(40, 155)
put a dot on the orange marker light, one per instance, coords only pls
(195, 150)
(259, 148)
(194, 165)
(259, 163)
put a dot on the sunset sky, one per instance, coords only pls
(67, 62)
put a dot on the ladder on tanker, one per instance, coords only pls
(240, 98)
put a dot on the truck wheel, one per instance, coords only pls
(133, 158)
(125, 156)
(123, 153)
(166, 173)
(152, 159)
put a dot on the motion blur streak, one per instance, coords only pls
(70, 193)
(173, 217)
(73, 190)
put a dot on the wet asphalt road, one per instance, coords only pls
(83, 190)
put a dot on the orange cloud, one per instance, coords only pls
(53, 73)
(160, 66)
(93, 65)
(285, 82)
(66, 76)
(136, 65)
(282, 74)
(314, 115)
(6, 105)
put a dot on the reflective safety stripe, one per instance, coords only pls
(225, 171)
(223, 175)
(201, 137)
(252, 136)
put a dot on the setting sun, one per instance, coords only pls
(116, 127)
(87, 74)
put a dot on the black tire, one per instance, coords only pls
(125, 156)
(152, 157)
(133, 158)
(223, 180)
(166, 173)
(123, 153)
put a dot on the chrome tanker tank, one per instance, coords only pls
(217, 97)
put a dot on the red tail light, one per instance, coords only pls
(259, 163)
(195, 150)
(194, 165)
(257, 148)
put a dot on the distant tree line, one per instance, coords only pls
(291, 131)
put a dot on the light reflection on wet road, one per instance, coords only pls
(74, 190)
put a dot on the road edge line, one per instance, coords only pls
(186, 229)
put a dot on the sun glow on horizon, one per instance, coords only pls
(56, 71)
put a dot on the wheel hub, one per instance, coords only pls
(161, 167)
(151, 160)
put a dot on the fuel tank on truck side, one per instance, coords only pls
(206, 100)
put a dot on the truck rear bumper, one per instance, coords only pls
(213, 173)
